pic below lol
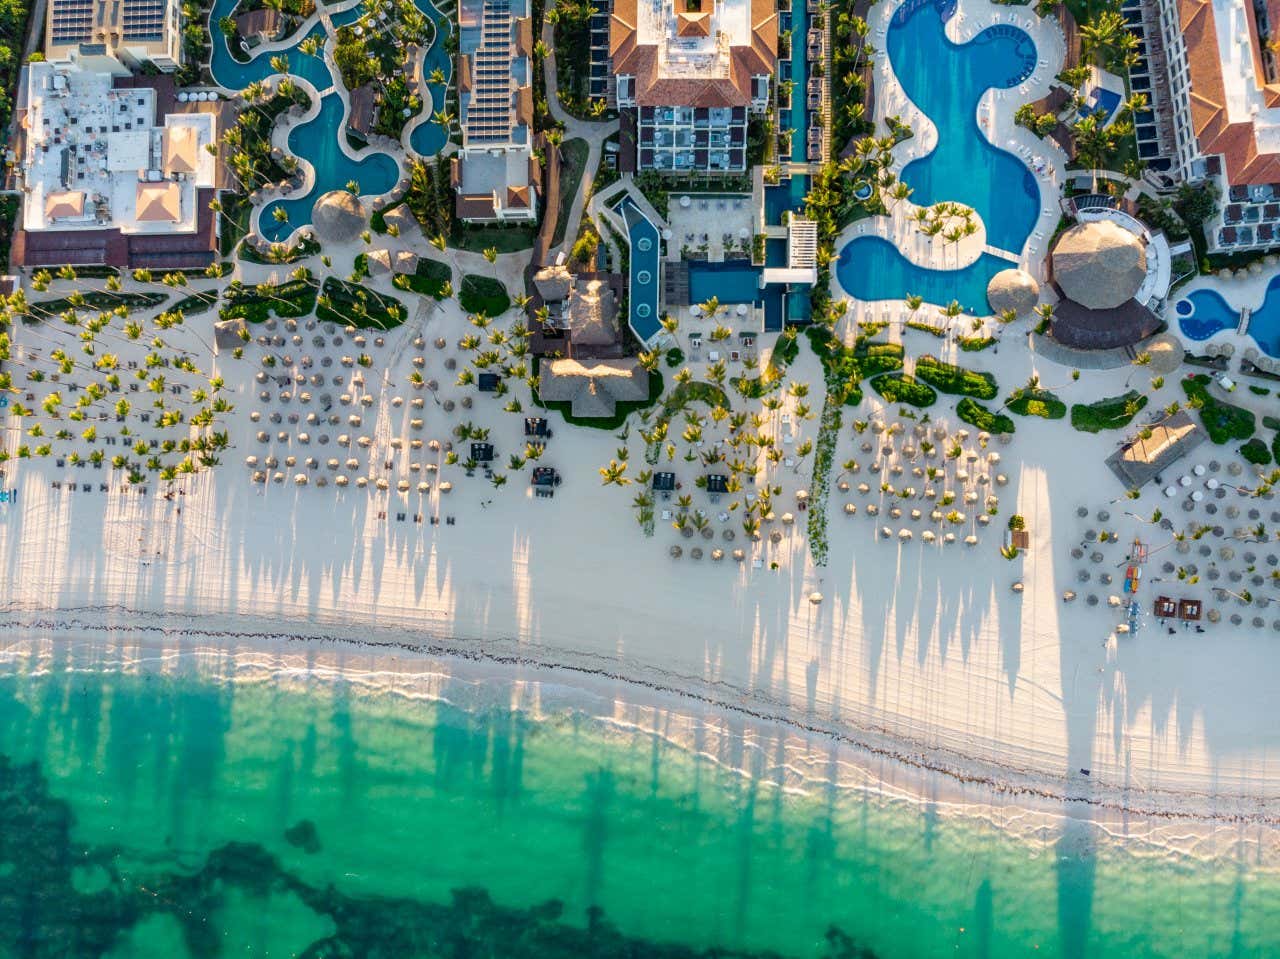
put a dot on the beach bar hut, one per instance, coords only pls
(1189, 609)
(545, 476)
(1165, 607)
(664, 483)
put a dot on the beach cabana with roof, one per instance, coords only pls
(159, 202)
(717, 483)
(536, 426)
(664, 482)
(545, 476)
(1014, 290)
(1139, 461)
(593, 388)
(1189, 609)
(1099, 267)
(488, 382)
(482, 452)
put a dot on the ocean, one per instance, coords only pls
(189, 805)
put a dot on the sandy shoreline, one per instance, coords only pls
(745, 728)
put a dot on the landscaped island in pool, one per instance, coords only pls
(946, 81)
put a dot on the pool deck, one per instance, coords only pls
(995, 111)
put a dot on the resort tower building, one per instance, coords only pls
(689, 73)
(115, 36)
(495, 175)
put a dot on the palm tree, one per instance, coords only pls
(614, 474)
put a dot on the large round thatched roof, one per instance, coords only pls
(338, 217)
(1099, 264)
(1014, 290)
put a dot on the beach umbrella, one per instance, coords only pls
(676, 551)
(739, 555)
(728, 535)
(928, 536)
(251, 461)
(850, 509)
(983, 519)
(259, 476)
(1017, 587)
(1113, 600)
(776, 536)
(971, 540)
(864, 489)
(271, 462)
(815, 598)
(1069, 596)
(894, 512)
(277, 477)
(362, 482)
(717, 554)
(904, 534)
(915, 514)
(873, 510)
(949, 538)
(301, 479)
(304, 438)
(255, 416)
(403, 486)
(885, 532)
(446, 486)
(708, 532)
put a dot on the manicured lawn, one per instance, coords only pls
(1040, 403)
(359, 306)
(504, 239)
(1222, 421)
(483, 294)
(1111, 413)
(428, 280)
(573, 154)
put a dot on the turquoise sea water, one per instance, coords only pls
(149, 815)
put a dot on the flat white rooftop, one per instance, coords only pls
(693, 44)
(1242, 87)
(95, 157)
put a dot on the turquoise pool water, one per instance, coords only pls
(727, 282)
(645, 264)
(183, 816)
(376, 173)
(1202, 313)
(871, 268)
(946, 80)
(319, 144)
(787, 195)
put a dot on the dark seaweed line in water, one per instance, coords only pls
(768, 710)
(43, 915)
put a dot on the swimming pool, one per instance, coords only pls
(314, 140)
(727, 282)
(1202, 313)
(645, 263)
(787, 195)
(872, 268)
(946, 81)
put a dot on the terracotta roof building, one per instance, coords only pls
(1218, 106)
(693, 71)
(495, 176)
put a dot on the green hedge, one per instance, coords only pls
(902, 388)
(1255, 451)
(483, 294)
(1110, 413)
(949, 378)
(99, 300)
(1040, 403)
(975, 344)
(844, 368)
(977, 415)
(1222, 421)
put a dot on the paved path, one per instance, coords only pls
(594, 132)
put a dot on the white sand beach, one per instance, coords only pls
(916, 650)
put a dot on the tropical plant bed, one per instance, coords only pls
(1037, 402)
(1222, 421)
(977, 415)
(254, 304)
(904, 388)
(1255, 451)
(279, 252)
(975, 344)
(844, 368)
(355, 305)
(1111, 413)
(949, 378)
(193, 305)
(785, 350)
(95, 300)
(432, 278)
(483, 294)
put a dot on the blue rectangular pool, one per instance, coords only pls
(727, 282)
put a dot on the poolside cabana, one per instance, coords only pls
(664, 482)
(545, 476)
(536, 426)
(482, 452)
